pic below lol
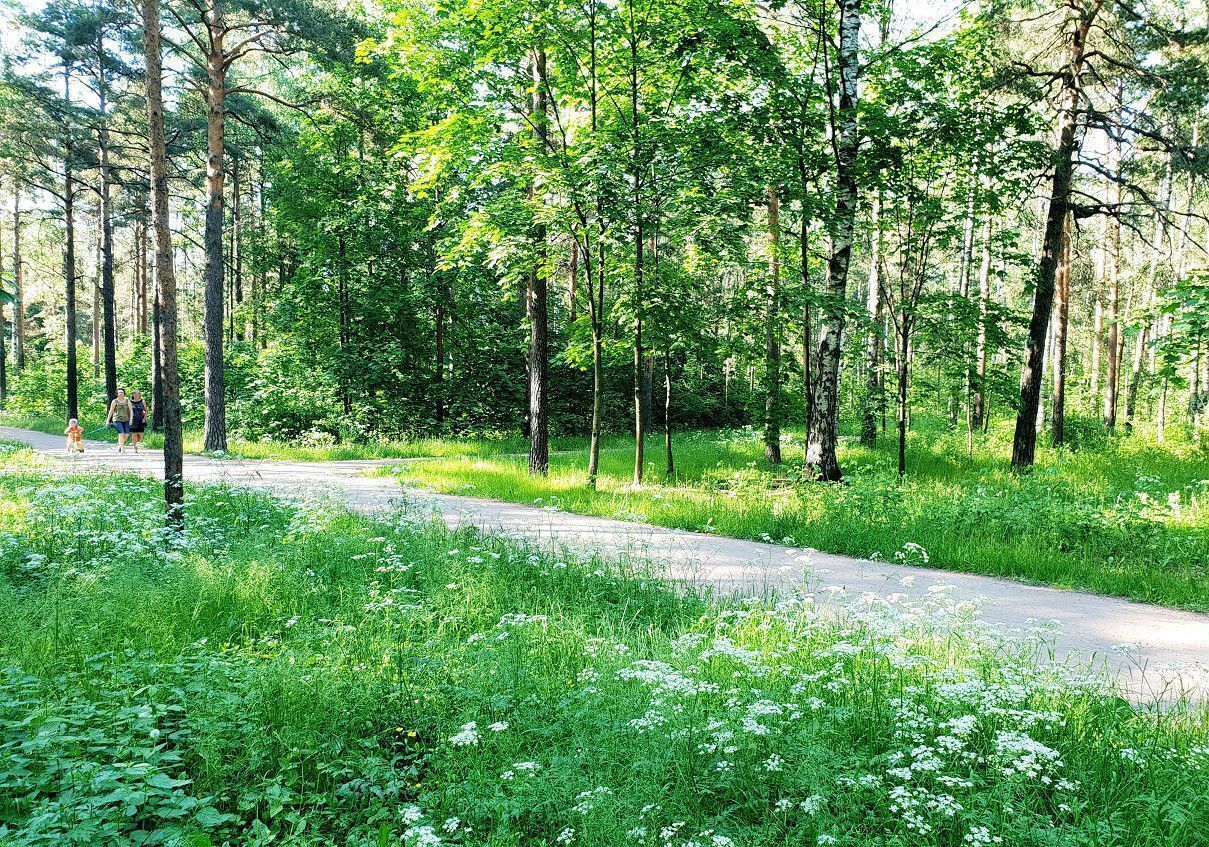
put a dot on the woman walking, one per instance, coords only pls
(121, 412)
(138, 419)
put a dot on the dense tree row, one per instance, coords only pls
(591, 216)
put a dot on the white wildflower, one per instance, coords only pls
(468, 737)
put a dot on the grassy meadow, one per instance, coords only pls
(297, 675)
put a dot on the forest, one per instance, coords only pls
(911, 285)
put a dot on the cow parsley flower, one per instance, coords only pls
(468, 737)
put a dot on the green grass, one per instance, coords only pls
(302, 676)
(1129, 518)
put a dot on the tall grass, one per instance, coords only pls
(302, 676)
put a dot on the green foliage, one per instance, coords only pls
(296, 675)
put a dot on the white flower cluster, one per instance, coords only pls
(468, 736)
(418, 831)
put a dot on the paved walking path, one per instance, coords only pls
(1168, 649)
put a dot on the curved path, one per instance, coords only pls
(1154, 652)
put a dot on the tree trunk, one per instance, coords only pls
(597, 307)
(98, 307)
(169, 406)
(212, 319)
(1112, 376)
(979, 411)
(260, 276)
(667, 415)
(807, 341)
(18, 290)
(344, 319)
(648, 385)
(1061, 326)
(1024, 443)
(229, 275)
(157, 365)
(772, 341)
(1136, 374)
(596, 291)
(824, 424)
(237, 245)
(108, 293)
(144, 279)
(439, 365)
(639, 420)
(873, 341)
(573, 283)
(1194, 393)
(967, 250)
(904, 363)
(536, 303)
(1144, 333)
(640, 423)
(1097, 329)
(69, 259)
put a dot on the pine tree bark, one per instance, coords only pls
(237, 244)
(215, 426)
(168, 404)
(1061, 325)
(69, 259)
(772, 339)
(108, 292)
(144, 279)
(98, 306)
(1112, 376)
(157, 366)
(18, 284)
(1024, 443)
(536, 299)
(823, 435)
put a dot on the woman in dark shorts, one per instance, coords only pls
(138, 419)
(120, 413)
